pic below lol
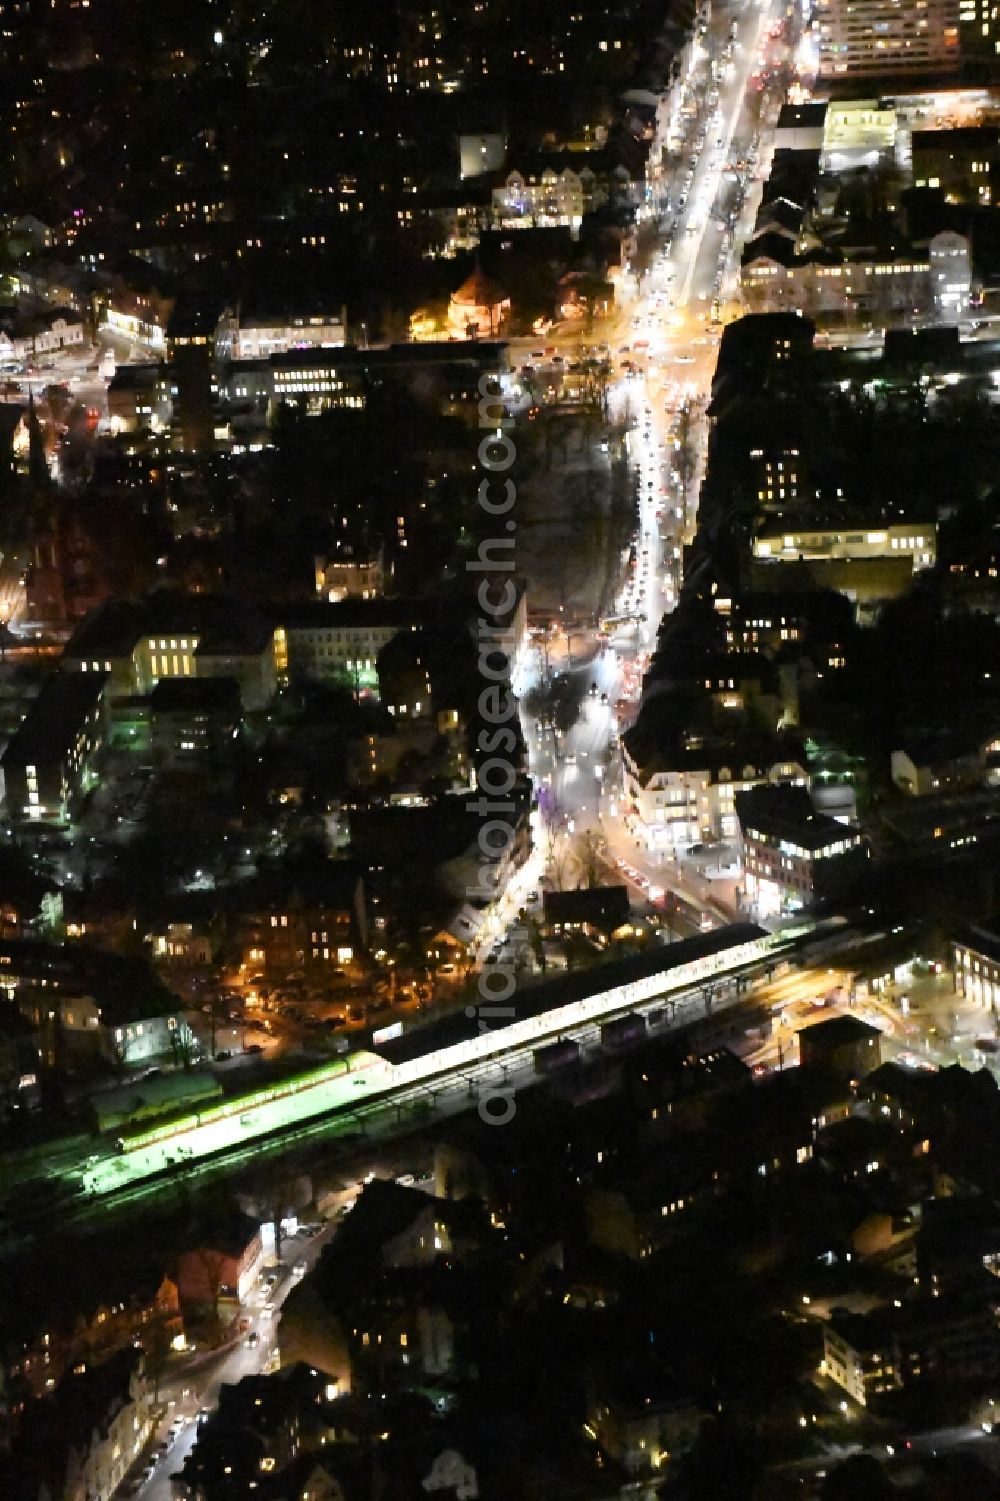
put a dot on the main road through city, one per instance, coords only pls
(662, 344)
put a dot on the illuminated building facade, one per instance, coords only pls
(792, 854)
(979, 24)
(51, 761)
(916, 541)
(548, 197)
(873, 38)
(976, 964)
(340, 642)
(138, 645)
(256, 336)
(686, 793)
(776, 277)
(350, 573)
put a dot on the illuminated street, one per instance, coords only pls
(667, 333)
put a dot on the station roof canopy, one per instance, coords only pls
(574, 986)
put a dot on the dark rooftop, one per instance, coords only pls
(793, 115)
(186, 695)
(322, 614)
(383, 1211)
(222, 623)
(838, 1032)
(134, 377)
(603, 907)
(978, 137)
(931, 346)
(53, 722)
(231, 1235)
(787, 812)
(476, 352)
(125, 988)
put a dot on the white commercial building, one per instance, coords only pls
(680, 797)
(250, 336)
(914, 540)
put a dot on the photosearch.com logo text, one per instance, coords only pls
(498, 740)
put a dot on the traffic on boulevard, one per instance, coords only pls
(661, 349)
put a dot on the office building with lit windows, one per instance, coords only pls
(350, 572)
(50, 763)
(915, 541)
(550, 193)
(948, 1339)
(885, 38)
(760, 622)
(247, 333)
(339, 642)
(866, 563)
(976, 965)
(318, 379)
(776, 472)
(138, 644)
(313, 916)
(793, 855)
(193, 388)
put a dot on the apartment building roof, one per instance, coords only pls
(126, 989)
(838, 1032)
(794, 174)
(193, 695)
(330, 884)
(779, 214)
(787, 812)
(135, 377)
(960, 137)
(918, 1320)
(654, 749)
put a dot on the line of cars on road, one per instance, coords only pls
(141, 1478)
